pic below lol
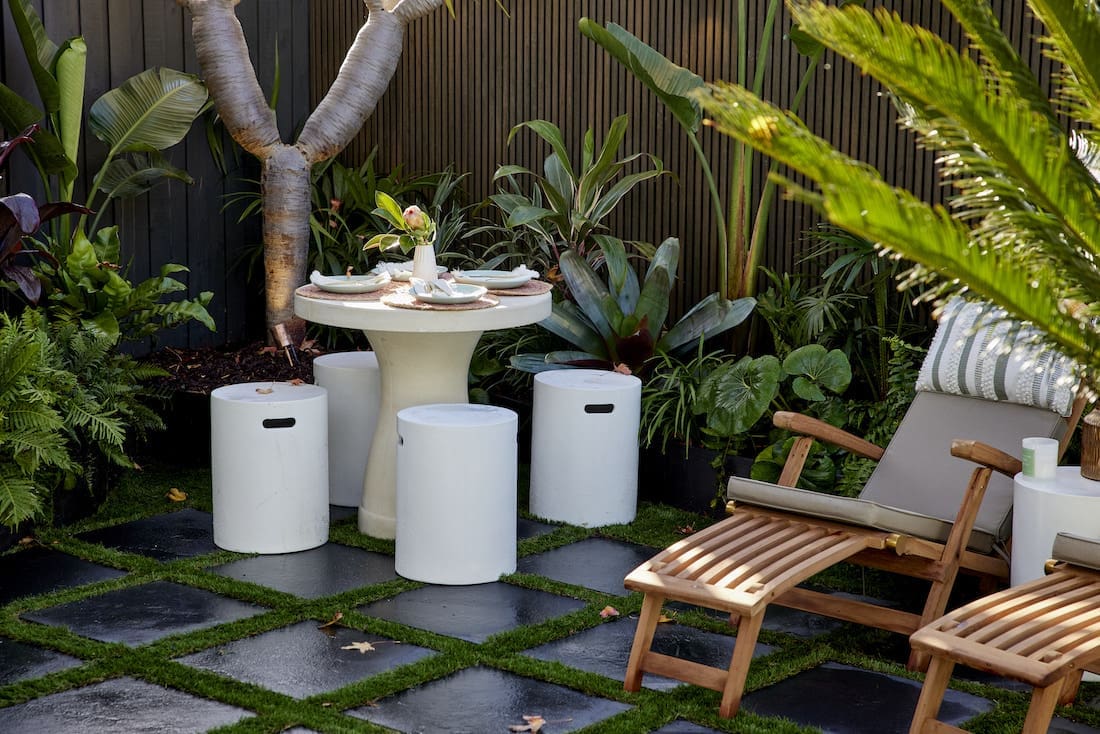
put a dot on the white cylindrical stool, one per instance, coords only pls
(269, 466)
(1042, 508)
(353, 385)
(584, 447)
(456, 493)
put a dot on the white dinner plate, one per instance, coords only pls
(348, 283)
(402, 271)
(463, 293)
(494, 278)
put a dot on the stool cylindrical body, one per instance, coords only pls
(353, 384)
(584, 446)
(456, 493)
(269, 466)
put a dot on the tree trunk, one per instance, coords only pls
(285, 185)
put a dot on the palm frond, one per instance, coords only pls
(1074, 41)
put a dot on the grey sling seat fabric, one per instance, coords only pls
(1078, 550)
(917, 486)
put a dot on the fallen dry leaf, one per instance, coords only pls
(297, 381)
(665, 619)
(362, 647)
(267, 350)
(26, 540)
(609, 611)
(534, 724)
(686, 530)
(335, 618)
(265, 390)
(176, 495)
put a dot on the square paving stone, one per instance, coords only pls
(182, 534)
(323, 571)
(605, 649)
(485, 700)
(472, 613)
(302, 660)
(1059, 725)
(145, 613)
(685, 727)
(19, 662)
(840, 698)
(532, 529)
(39, 570)
(595, 563)
(119, 705)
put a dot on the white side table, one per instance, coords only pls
(1044, 507)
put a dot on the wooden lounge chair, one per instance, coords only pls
(922, 513)
(1044, 633)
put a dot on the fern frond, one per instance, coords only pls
(19, 497)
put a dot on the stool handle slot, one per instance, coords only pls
(279, 422)
(599, 408)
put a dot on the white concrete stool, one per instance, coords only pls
(584, 446)
(353, 383)
(269, 464)
(456, 493)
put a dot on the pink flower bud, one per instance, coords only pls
(415, 219)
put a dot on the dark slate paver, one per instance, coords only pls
(182, 534)
(485, 700)
(120, 705)
(846, 700)
(595, 563)
(302, 660)
(685, 727)
(144, 613)
(472, 613)
(39, 570)
(1059, 725)
(532, 529)
(605, 649)
(323, 571)
(20, 662)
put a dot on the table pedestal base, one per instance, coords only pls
(415, 369)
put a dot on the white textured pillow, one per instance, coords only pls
(978, 350)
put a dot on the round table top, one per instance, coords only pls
(1067, 481)
(376, 316)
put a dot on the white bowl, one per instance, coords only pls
(494, 278)
(349, 283)
(463, 293)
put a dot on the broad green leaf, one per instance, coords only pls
(16, 115)
(549, 132)
(709, 317)
(599, 174)
(383, 242)
(107, 245)
(137, 173)
(523, 215)
(587, 289)
(71, 65)
(667, 257)
(652, 305)
(567, 321)
(735, 396)
(671, 83)
(573, 358)
(814, 368)
(510, 170)
(150, 111)
(534, 363)
(389, 209)
(39, 51)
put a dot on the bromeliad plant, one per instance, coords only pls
(619, 324)
(1023, 228)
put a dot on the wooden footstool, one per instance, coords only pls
(1043, 633)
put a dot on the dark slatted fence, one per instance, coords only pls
(463, 83)
(177, 223)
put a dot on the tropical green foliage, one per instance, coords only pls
(1023, 228)
(741, 223)
(566, 208)
(621, 321)
(68, 401)
(670, 395)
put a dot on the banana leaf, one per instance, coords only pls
(16, 113)
(39, 50)
(72, 62)
(150, 111)
(136, 174)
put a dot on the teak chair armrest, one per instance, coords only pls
(986, 455)
(807, 426)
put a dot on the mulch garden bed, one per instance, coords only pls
(200, 371)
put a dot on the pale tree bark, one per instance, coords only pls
(368, 67)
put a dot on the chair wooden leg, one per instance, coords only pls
(931, 694)
(643, 639)
(934, 607)
(1069, 688)
(1041, 710)
(748, 630)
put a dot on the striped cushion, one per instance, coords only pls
(979, 351)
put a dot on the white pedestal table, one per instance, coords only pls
(1041, 508)
(423, 357)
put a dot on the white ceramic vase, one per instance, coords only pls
(424, 262)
